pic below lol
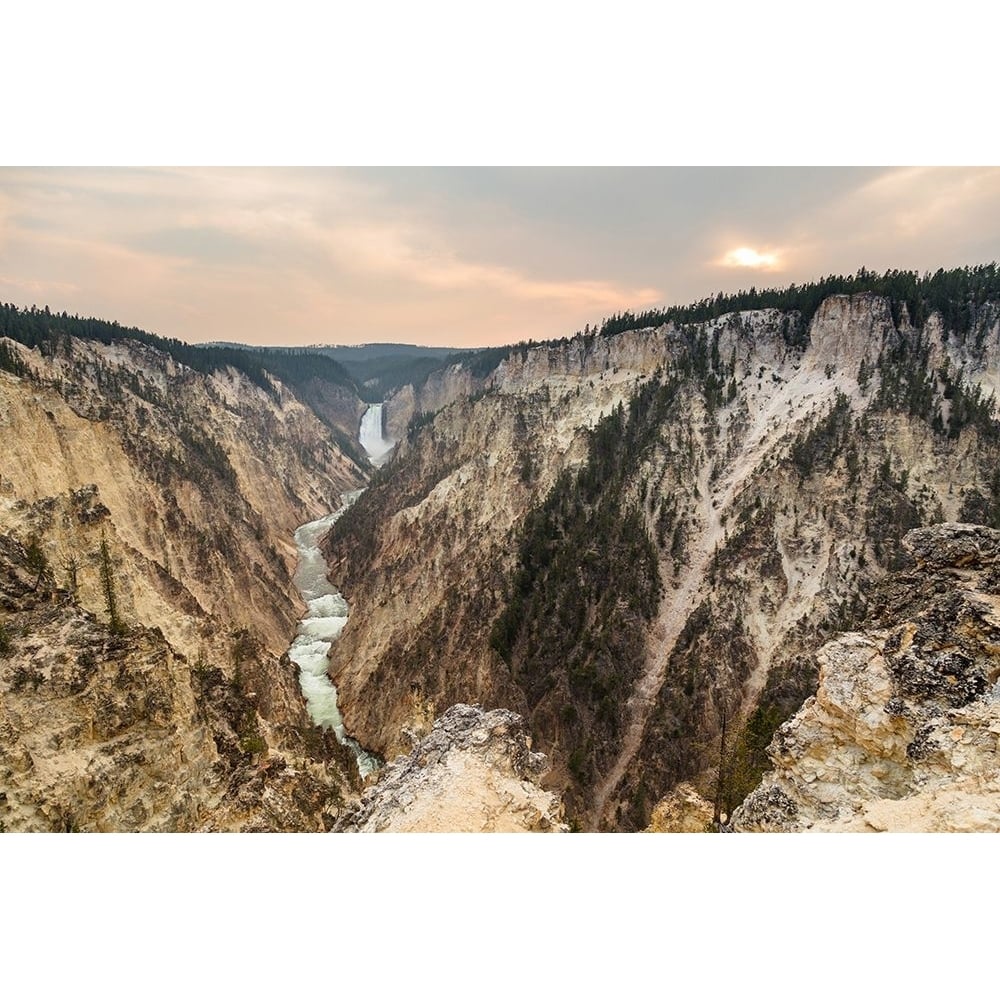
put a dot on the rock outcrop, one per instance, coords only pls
(440, 389)
(474, 773)
(114, 730)
(903, 732)
(682, 811)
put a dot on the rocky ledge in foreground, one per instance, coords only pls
(475, 772)
(903, 731)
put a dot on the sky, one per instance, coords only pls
(460, 257)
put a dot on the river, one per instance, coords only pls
(318, 630)
(328, 610)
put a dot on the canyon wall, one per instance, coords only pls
(152, 507)
(772, 467)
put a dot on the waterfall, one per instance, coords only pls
(372, 437)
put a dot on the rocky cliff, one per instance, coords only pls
(196, 481)
(473, 773)
(440, 389)
(902, 733)
(423, 557)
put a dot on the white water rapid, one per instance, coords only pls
(325, 620)
(371, 437)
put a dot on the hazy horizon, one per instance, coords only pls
(460, 257)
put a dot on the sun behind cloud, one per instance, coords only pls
(748, 257)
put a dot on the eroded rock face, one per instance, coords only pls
(475, 772)
(903, 731)
(183, 488)
(195, 481)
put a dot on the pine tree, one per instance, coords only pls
(36, 560)
(108, 586)
(864, 377)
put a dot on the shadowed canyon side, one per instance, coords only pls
(639, 540)
(426, 550)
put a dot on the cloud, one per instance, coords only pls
(272, 255)
(910, 217)
(915, 200)
(424, 258)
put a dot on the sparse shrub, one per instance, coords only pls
(71, 567)
(36, 557)
(251, 740)
(36, 560)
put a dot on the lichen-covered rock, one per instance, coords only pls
(767, 809)
(903, 731)
(474, 772)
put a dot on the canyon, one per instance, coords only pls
(612, 582)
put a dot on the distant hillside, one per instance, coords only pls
(366, 352)
(318, 381)
(379, 369)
